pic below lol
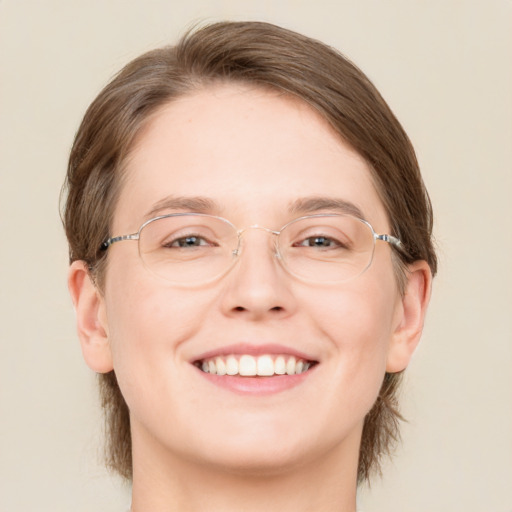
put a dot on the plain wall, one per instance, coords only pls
(445, 68)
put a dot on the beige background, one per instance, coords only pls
(445, 68)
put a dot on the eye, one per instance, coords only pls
(319, 241)
(188, 241)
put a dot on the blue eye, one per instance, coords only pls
(188, 241)
(321, 242)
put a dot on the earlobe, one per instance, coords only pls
(90, 318)
(409, 325)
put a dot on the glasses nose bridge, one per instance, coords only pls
(257, 226)
(241, 233)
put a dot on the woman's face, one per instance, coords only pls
(253, 154)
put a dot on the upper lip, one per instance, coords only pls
(254, 350)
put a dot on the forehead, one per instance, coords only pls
(253, 152)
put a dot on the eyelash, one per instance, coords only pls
(175, 243)
(172, 243)
(335, 243)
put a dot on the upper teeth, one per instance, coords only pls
(249, 366)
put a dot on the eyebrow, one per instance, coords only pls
(198, 204)
(301, 206)
(307, 205)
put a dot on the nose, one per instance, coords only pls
(258, 286)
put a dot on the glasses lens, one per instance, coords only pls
(331, 248)
(185, 248)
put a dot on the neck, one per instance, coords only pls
(327, 483)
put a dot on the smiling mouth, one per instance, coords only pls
(250, 366)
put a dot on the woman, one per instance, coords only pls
(251, 263)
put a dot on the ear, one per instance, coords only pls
(91, 319)
(409, 324)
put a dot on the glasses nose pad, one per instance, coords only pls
(276, 251)
(238, 249)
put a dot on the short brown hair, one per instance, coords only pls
(263, 55)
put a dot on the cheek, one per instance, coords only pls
(357, 324)
(356, 317)
(147, 322)
(149, 325)
(144, 318)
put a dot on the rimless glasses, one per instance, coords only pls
(193, 248)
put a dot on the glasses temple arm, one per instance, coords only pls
(107, 243)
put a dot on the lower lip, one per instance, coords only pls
(257, 385)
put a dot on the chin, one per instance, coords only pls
(259, 461)
(265, 448)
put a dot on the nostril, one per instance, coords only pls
(277, 309)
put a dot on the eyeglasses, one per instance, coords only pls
(193, 248)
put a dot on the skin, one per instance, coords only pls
(197, 446)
